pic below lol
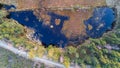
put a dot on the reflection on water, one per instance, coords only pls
(100, 21)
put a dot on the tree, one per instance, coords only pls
(54, 53)
(71, 52)
(66, 62)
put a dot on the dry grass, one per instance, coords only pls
(71, 3)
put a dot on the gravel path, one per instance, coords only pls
(25, 55)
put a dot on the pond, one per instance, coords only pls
(101, 21)
(43, 32)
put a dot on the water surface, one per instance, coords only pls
(43, 32)
(101, 21)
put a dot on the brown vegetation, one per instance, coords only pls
(35, 4)
(71, 3)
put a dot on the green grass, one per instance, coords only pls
(15, 62)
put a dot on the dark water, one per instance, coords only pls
(54, 35)
(101, 21)
(8, 7)
(43, 32)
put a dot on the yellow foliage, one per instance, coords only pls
(54, 53)
(98, 66)
(40, 51)
(50, 52)
(66, 62)
(105, 60)
(71, 49)
(31, 54)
